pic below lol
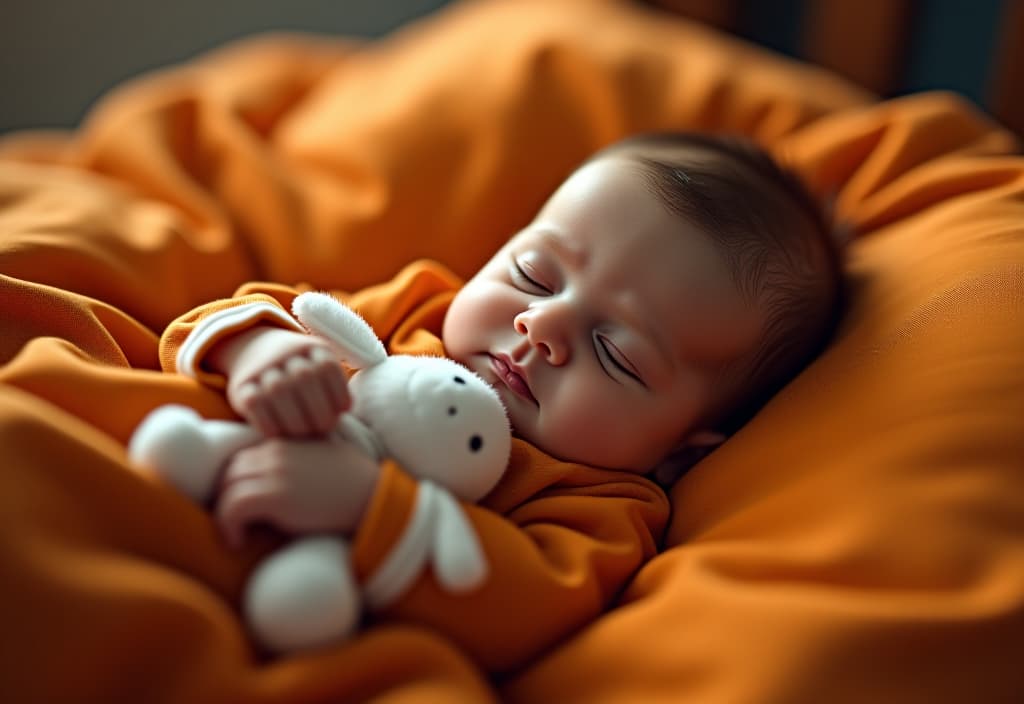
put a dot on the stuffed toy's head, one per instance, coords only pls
(433, 416)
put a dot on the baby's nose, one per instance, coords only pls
(545, 328)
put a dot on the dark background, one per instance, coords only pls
(58, 56)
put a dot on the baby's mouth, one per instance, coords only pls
(511, 376)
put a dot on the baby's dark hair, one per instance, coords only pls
(778, 243)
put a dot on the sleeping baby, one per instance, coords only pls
(662, 294)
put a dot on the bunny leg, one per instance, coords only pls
(303, 596)
(185, 450)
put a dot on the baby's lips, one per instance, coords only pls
(513, 377)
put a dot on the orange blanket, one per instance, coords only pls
(861, 540)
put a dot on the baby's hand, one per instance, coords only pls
(299, 486)
(284, 383)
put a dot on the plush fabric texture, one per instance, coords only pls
(862, 539)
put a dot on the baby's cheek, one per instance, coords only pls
(461, 324)
(477, 311)
(587, 426)
(609, 432)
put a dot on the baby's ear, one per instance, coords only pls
(695, 447)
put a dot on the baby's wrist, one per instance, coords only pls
(224, 355)
(239, 352)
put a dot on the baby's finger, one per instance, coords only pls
(243, 503)
(332, 378)
(309, 394)
(313, 400)
(281, 403)
(246, 465)
(247, 400)
(262, 419)
(288, 418)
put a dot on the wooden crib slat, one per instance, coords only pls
(865, 41)
(1006, 88)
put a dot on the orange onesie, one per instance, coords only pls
(561, 539)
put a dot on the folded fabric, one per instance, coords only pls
(862, 539)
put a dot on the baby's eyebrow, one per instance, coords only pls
(571, 254)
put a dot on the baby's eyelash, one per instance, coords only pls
(521, 274)
(605, 347)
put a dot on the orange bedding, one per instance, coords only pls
(862, 539)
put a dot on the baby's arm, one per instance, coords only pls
(283, 382)
(289, 385)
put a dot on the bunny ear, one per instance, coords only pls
(351, 336)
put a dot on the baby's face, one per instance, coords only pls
(603, 324)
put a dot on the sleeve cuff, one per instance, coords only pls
(223, 323)
(411, 529)
(385, 520)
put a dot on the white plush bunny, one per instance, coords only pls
(438, 420)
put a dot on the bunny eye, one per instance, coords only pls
(475, 443)
(459, 380)
(451, 410)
